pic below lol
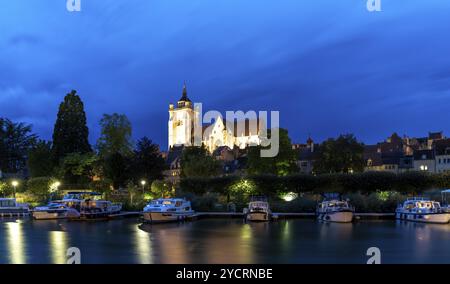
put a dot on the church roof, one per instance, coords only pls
(184, 97)
(247, 127)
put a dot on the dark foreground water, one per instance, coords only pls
(222, 241)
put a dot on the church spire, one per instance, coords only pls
(184, 97)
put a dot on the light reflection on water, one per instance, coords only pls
(58, 246)
(223, 241)
(16, 242)
(143, 243)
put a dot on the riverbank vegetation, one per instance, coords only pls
(131, 172)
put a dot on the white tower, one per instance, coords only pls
(181, 122)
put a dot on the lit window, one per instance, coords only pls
(424, 168)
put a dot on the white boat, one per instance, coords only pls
(167, 210)
(55, 210)
(335, 211)
(10, 208)
(78, 205)
(258, 209)
(419, 209)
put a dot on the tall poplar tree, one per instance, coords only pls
(70, 134)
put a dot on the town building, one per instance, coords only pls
(425, 161)
(442, 155)
(307, 155)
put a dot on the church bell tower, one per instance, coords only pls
(181, 121)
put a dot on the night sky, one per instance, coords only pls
(329, 67)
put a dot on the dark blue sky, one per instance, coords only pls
(329, 67)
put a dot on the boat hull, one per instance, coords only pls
(52, 215)
(162, 217)
(338, 217)
(436, 218)
(258, 216)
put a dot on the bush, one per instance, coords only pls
(380, 202)
(40, 187)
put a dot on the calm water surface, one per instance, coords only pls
(222, 241)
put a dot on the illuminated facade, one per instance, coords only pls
(184, 116)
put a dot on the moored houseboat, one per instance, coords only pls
(167, 210)
(258, 209)
(335, 210)
(55, 210)
(78, 205)
(420, 209)
(9, 207)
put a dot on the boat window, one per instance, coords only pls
(7, 203)
(409, 206)
(178, 204)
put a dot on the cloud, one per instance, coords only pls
(330, 67)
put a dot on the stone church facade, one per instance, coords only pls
(183, 118)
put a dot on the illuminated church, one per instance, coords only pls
(183, 117)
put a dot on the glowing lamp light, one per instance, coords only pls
(54, 186)
(14, 183)
(290, 196)
(143, 182)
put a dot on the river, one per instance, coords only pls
(222, 241)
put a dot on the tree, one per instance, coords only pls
(343, 155)
(115, 135)
(116, 167)
(283, 164)
(77, 169)
(40, 187)
(147, 162)
(160, 188)
(40, 162)
(115, 148)
(70, 134)
(196, 162)
(16, 139)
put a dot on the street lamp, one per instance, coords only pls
(143, 182)
(53, 188)
(14, 183)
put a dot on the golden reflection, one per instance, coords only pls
(232, 243)
(246, 232)
(58, 246)
(286, 232)
(16, 242)
(143, 241)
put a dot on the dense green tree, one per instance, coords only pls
(40, 162)
(115, 135)
(284, 163)
(16, 139)
(341, 155)
(148, 164)
(70, 134)
(77, 169)
(196, 162)
(160, 188)
(115, 149)
(40, 186)
(116, 168)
